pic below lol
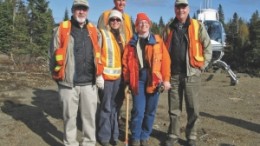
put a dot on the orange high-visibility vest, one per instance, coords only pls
(111, 56)
(127, 24)
(195, 49)
(61, 52)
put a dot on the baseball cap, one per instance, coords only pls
(179, 2)
(80, 3)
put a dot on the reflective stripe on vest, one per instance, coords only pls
(197, 56)
(112, 71)
(111, 56)
(110, 60)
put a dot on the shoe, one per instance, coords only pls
(171, 141)
(144, 143)
(135, 143)
(191, 142)
(114, 143)
(104, 144)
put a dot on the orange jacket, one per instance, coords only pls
(196, 54)
(61, 52)
(158, 60)
(128, 30)
(111, 56)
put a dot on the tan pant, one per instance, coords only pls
(85, 99)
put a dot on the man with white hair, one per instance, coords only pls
(75, 61)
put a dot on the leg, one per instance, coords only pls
(120, 98)
(192, 88)
(88, 107)
(175, 97)
(70, 100)
(149, 115)
(107, 124)
(137, 113)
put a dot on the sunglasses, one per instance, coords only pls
(115, 19)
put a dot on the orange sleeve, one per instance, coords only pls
(166, 63)
(125, 65)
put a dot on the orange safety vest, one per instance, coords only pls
(196, 56)
(61, 52)
(111, 56)
(127, 24)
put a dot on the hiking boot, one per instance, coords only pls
(191, 142)
(114, 143)
(144, 143)
(104, 144)
(171, 141)
(135, 143)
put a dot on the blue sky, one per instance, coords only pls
(157, 8)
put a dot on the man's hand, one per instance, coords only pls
(166, 85)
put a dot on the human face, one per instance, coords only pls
(182, 12)
(143, 27)
(114, 22)
(80, 13)
(120, 5)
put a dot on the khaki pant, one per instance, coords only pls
(85, 99)
(187, 87)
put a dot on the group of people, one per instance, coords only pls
(112, 57)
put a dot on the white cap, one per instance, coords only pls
(115, 13)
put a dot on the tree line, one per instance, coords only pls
(26, 28)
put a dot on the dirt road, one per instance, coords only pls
(30, 113)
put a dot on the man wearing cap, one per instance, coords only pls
(75, 61)
(112, 50)
(190, 51)
(146, 66)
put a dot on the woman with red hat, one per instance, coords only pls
(146, 68)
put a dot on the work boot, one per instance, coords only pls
(144, 143)
(171, 141)
(104, 143)
(135, 143)
(191, 142)
(114, 143)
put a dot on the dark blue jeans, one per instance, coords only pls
(143, 111)
(107, 124)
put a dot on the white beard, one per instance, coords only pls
(81, 19)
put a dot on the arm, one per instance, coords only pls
(125, 65)
(166, 67)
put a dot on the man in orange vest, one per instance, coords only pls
(127, 32)
(75, 62)
(190, 50)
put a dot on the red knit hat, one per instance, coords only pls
(141, 16)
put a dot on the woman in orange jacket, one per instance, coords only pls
(146, 68)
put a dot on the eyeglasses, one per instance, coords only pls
(115, 19)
